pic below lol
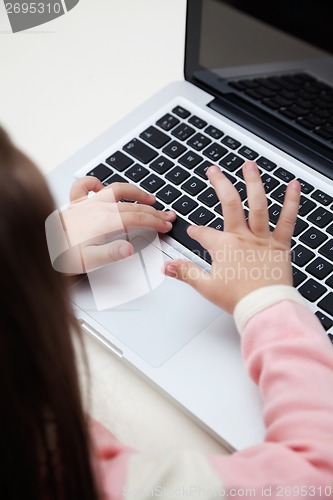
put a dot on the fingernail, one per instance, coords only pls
(171, 270)
(124, 251)
(213, 170)
(170, 214)
(295, 185)
(250, 166)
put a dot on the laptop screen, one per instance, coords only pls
(234, 38)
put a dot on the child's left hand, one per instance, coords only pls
(90, 222)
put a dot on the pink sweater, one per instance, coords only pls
(288, 355)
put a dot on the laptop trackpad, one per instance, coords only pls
(157, 324)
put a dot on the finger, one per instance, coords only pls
(137, 207)
(234, 218)
(189, 273)
(81, 188)
(286, 224)
(258, 216)
(94, 257)
(119, 190)
(206, 236)
(143, 219)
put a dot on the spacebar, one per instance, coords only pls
(178, 232)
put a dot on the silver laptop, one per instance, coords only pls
(251, 91)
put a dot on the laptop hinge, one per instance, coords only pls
(276, 132)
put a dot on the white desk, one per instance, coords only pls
(64, 83)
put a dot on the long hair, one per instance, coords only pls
(44, 448)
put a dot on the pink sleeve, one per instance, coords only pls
(289, 356)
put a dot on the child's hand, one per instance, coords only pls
(94, 224)
(245, 256)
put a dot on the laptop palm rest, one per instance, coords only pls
(155, 325)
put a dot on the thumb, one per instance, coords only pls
(191, 274)
(96, 256)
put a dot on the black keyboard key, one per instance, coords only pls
(265, 163)
(218, 209)
(140, 151)
(305, 206)
(322, 197)
(174, 149)
(214, 132)
(215, 151)
(102, 172)
(327, 303)
(248, 153)
(327, 250)
(208, 197)
(313, 237)
(230, 142)
(197, 122)
(329, 282)
(119, 161)
(181, 112)
(306, 188)
(201, 216)
(184, 205)
(217, 224)
(231, 178)
(298, 276)
(326, 322)
(167, 122)
(254, 94)
(279, 193)
(158, 206)
(199, 141)
(178, 232)
(305, 123)
(319, 268)
(155, 137)
(168, 193)
(312, 290)
(161, 165)
(136, 173)
(193, 186)
(114, 178)
(241, 188)
(300, 226)
(190, 159)
(231, 162)
(284, 174)
(202, 169)
(330, 229)
(324, 134)
(301, 255)
(269, 182)
(152, 183)
(183, 132)
(274, 213)
(321, 217)
(272, 103)
(177, 175)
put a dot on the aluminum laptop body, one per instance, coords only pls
(190, 349)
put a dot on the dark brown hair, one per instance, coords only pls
(44, 448)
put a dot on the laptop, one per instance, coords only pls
(258, 85)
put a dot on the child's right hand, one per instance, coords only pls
(245, 256)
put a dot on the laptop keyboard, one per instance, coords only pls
(170, 159)
(299, 97)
